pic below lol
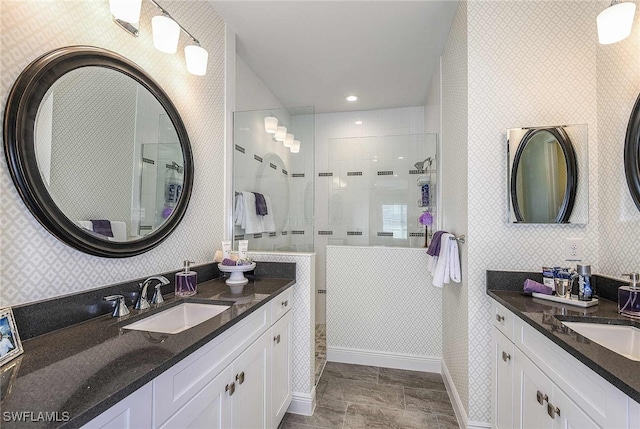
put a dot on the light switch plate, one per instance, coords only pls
(573, 249)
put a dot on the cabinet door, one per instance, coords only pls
(250, 403)
(208, 409)
(567, 415)
(502, 381)
(132, 412)
(533, 391)
(281, 368)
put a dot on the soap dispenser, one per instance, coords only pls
(629, 297)
(186, 281)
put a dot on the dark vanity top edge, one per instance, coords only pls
(42, 317)
(112, 363)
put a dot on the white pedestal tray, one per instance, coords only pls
(236, 280)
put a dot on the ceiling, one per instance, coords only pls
(315, 53)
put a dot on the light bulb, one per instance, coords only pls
(196, 58)
(615, 22)
(295, 147)
(166, 33)
(271, 124)
(281, 134)
(288, 140)
(126, 10)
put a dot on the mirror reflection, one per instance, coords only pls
(544, 172)
(108, 154)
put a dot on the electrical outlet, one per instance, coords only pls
(573, 249)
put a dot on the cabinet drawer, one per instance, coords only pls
(502, 319)
(134, 411)
(281, 304)
(173, 388)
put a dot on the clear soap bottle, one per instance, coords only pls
(186, 281)
(629, 297)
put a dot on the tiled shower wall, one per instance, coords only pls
(33, 264)
(336, 137)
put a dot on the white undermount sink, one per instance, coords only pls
(179, 318)
(624, 340)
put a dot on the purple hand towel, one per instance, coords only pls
(102, 227)
(531, 286)
(261, 204)
(434, 247)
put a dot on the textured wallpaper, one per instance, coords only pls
(381, 299)
(34, 265)
(455, 340)
(530, 64)
(618, 88)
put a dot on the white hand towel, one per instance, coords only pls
(252, 222)
(440, 274)
(238, 215)
(119, 230)
(454, 261)
(268, 223)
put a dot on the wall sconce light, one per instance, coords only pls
(615, 22)
(281, 134)
(295, 147)
(166, 32)
(271, 124)
(288, 140)
(126, 13)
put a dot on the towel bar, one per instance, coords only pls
(458, 238)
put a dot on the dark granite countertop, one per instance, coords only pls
(80, 371)
(547, 317)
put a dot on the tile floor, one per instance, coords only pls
(362, 397)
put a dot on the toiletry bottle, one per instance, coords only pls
(629, 297)
(585, 291)
(186, 281)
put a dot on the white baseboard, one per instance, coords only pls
(458, 407)
(384, 359)
(303, 403)
(479, 425)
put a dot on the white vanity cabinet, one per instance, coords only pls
(228, 383)
(546, 387)
(281, 375)
(133, 412)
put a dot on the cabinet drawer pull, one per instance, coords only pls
(541, 397)
(284, 303)
(277, 339)
(506, 356)
(230, 388)
(240, 377)
(499, 318)
(552, 410)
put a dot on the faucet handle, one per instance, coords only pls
(157, 295)
(120, 308)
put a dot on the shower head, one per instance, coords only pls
(420, 165)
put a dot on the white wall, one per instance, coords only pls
(251, 92)
(33, 264)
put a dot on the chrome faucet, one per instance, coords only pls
(120, 308)
(142, 302)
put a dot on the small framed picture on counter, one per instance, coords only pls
(10, 345)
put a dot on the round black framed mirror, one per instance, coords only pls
(544, 177)
(97, 151)
(632, 154)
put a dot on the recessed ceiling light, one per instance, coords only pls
(401, 157)
(352, 98)
(358, 122)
